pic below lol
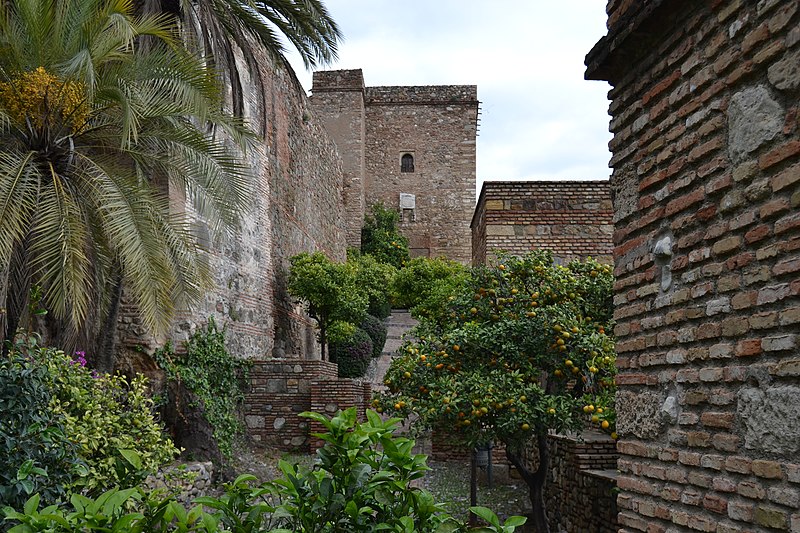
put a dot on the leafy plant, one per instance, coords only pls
(375, 280)
(415, 283)
(111, 420)
(377, 331)
(129, 510)
(330, 291)
(35, 454)
(214, 376)
(381, 239)
(352, 355)
(524, 348)
(493, 522)
(361, 482)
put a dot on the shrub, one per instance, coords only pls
(36, 456)
(71, 429)
(360, 483)
(377, 331)
(214, 376)
(414, 283)
(375, 280)
(112, 421)
(381, 239)
(353, 354)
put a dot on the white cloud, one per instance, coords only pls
(540, 119)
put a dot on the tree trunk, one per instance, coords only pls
(18, 288)
(534, 480)
(105, 343)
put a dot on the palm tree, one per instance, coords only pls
(92, 135)
(219, 27)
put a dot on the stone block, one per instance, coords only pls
(770, 419)
(754, 118)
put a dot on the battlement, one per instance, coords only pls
(422, 94)
(338, 80)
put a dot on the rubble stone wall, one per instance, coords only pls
(706, 185)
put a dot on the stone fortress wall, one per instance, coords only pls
(297, 206)
(706, 184)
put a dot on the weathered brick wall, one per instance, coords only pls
(328, 396)
(580, 483)
(280, 389)
(438, 125)
(706, 186)
(338, 102)
(571, 218)
(297, 206)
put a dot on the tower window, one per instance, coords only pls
(407, 163)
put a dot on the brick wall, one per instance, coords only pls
(706, 185)
(580, 483)
(279, 391)
(571, 218)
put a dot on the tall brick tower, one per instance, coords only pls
(415, 152)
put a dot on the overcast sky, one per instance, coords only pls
(539, 118)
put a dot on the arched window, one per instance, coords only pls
(407, 163)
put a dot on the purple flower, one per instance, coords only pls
(80, 359)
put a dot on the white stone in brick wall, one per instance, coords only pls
(720, 305)
(669, 410)
(778, 343)
(754, 117)
(785, 74)
(254, 421)
(770, 419)
(279, 423)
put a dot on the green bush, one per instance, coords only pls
(71, 429)
(375, 280)
(112, 421)
(381, 239)
(35, 454)
(353, 354)
(361, 482)
(377, 331)
(414, 283)
(214, 376)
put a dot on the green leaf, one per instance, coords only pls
(132, 457)
(515, 521)
(486, 514)
(32, 504)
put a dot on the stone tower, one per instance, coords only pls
(411, 148)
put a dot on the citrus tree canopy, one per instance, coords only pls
(526, 351)
(93, 129)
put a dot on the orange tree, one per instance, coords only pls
(524, 350)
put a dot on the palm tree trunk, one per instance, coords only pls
(106, 340)
(535, 481)
(18, 288)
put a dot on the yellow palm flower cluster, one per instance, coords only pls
(45, 100)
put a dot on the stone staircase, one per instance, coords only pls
(400, 322)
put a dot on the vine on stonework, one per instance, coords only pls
(214, 376)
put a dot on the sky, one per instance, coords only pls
(539, 118)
